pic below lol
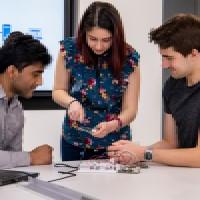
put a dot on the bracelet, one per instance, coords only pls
(119, 122)
(71, 103)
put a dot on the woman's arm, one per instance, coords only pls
(129, 107)
(61, 83)
(130, 98)
(60, 91)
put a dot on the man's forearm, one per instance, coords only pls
(162, 145)
(178, 157)
(10, 159)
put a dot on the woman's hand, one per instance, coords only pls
(104, 128)
(76, 111)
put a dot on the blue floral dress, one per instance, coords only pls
(100, 95)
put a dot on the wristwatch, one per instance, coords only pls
(148, 155)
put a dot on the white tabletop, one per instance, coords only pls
(157, 182)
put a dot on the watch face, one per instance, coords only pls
(148, 155)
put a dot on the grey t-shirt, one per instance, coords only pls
(11, 126)
(183, 103)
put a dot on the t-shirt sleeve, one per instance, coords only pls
(133, 60)
(199, 122)
(166, 107)
(70, 49)
(166, 97)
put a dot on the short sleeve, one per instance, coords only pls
(132, 60)
(166, 97)
(70, 48)
(199, 122)
(166, 107)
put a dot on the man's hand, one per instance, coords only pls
(41, 155)
(126, 152)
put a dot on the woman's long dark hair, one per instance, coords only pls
(103, 15)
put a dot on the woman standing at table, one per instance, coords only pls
(97, 81)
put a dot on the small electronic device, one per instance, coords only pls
(129, 170)
(86, 129)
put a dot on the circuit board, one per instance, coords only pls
(108, 165)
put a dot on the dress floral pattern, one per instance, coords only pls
(99, 93)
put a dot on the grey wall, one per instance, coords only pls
(172, 7)
(197, 7)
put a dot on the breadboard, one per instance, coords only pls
(104, 165)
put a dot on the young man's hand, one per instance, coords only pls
(41, 155)
(126, 152)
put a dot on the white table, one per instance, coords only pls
(157, 183)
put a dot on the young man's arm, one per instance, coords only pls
(13, 156)
(165, 151)
(169, 137)
(10, 159)
(188, 157)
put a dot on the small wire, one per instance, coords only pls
(101, 156)
(65, 165)
(58, 179)
(70, 174)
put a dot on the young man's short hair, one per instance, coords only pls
(182, 32)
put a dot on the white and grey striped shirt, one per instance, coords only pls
(11, 126)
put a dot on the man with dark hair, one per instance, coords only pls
(22, 62)
(179, 44)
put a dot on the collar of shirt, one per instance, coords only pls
(2, 93)
(3, 96)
